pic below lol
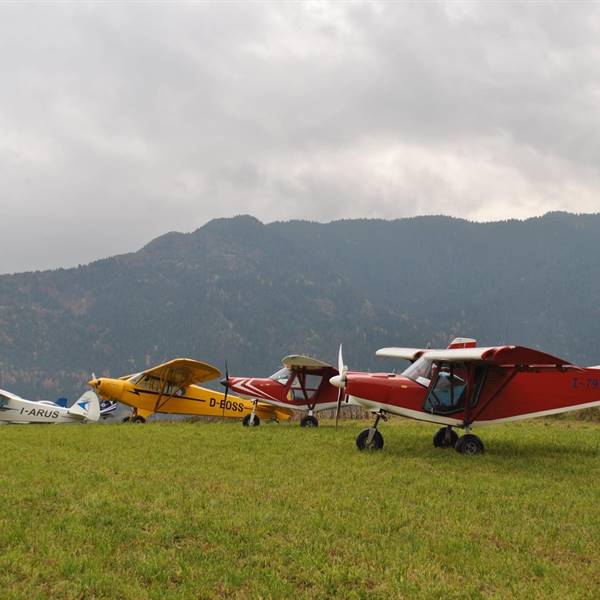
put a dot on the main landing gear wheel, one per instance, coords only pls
(446, 437)
(469, 444)
(309, 421)
(138, 419)
(126, 420)
(369, 439)
(246, 421)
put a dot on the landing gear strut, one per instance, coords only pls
(252, 419)
(371, 439)
(446, 437)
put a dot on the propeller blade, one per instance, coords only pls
(341, 383)
(226, 383)
(341, 394)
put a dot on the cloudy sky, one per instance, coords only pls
(122, 121)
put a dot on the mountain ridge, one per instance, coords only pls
(249, 292)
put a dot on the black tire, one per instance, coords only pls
(138, 419)
(376, 442)
(446, 437)
(309, 421)
(246, 421)
(126, 420)
(469, 444)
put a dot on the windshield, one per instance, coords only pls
(420, 371)
(282, 376)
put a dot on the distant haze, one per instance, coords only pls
(121, 121)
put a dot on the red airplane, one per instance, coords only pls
(302, 384)
(465, 386)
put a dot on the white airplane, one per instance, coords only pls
(14, 409)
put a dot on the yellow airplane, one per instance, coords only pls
(172, 388)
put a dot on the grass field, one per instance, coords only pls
(177, 510)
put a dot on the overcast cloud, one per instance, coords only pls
(120, 122)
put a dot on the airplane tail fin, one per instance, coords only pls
(87, 407)
(461, 342)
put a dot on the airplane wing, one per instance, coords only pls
(499, 355)
(297, 361)
(405, 353)
(182, 372)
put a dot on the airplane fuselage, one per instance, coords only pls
(14, 409)
(290, 394)
(504, 394)
(194, 400)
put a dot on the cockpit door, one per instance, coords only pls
(449, 390)
(305, 386)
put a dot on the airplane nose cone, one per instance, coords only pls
(224, 382)
(95, 383)
(337, 381)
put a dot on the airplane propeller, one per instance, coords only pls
(340, 382)
(226, 384)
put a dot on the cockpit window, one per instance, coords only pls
(154, 384)
(449, 390)
(282, 376)
(421, 371)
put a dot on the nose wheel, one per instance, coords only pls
(371, 439)
(248, 421)
(309, 421)
(252, 419)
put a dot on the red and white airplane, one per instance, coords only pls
(302, 384)
(464, 386)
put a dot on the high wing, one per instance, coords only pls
(297, 361)
(499, 355)
(182, 372)
(413, 354)
(405, 353)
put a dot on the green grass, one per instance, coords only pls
(177, 510)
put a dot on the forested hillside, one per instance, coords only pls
(250, 293)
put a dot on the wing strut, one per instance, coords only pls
(502, 385)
